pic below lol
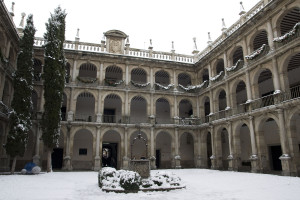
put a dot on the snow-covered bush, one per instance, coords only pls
(23, 171)
(129, 180)
(107, 177)
(36, 170)
(165, 179)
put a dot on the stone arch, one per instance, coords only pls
(85, 107)
(205, 105)
(87, 71)
(185, 108)
(184, 79)
(164, 150)
(263, 77)
(138, 110)
(162, 77)
(287, 20)
(290, 70)
(112, 108)
(111, 149)
(205, 74)
(162, 111)
(269, 145)
(113, 74)
(259, 38)
(218, 66)
(242, 144)
(139, 75)
(236, 53)
(239, 92)
(186, 149)
(83, 152)
(222, 147)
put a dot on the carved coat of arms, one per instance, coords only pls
(115, 46)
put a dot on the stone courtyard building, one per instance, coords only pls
(233, 106)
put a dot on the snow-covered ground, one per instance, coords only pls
(200, 184)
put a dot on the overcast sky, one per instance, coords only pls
(163, 21)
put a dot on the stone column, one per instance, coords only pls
(99, 102)
(275, 76)
(36, 157)
(253, 158)
(67, 159)
(127, 114)
(101, 74)
(270, 35)
(198, 107)
(248, 87)
(245, 49)
(97, 166)
(125, 157)
(177, 156)
(210, 73)
(151, 79)
(74, 71)
(233, 160)
(126, 75)
(152, 150)
(285, 157)
(176, 114)
(227, 97)
(225, 62)
(213, 156)
(175, 80)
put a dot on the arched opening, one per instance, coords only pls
(265, 83)
(207, 110)
(138, 110)
(237, 55)
(225, 148)
(220, 66)
(272, 147)
(37, 69)
(68, 76)
(34, 98)
(187, 150)
(85, 107)
(112, 109)
(139, 149)
(162, 111)
(205, 75)
(289, 20)
(260, 39)
(244, 146)
(222, 100)
(82, 158)
(184, 79)
(6, 94)
(293, 71)
(139, 75)
(163, 150)
(161, 77)
(185, 109)
(113, 76)
(294, 131)
(241, 93)
(58, 153)
(208, 149)
(87, 73)
(111, 148)
(63, 108)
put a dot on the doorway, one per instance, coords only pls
(57, 158)
(157, 161)
(275, 154)
(109, 155)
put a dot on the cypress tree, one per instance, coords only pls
(54, 80)
(20, 122)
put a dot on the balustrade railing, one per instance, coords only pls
(85, 117)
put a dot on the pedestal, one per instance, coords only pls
(286, 163)
(97, 165)
(67, 163)
(254, 163)
(140, 166)
(125, 163)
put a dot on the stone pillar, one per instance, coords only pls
(285, 157)
(74, 71)
(151, 79)
(210, 73)
(67, 159)
(99, 106)
(213, 156)
(101, 74)
(127, 75)
(36, 157)
(225, 62)
(175, 80)
(198, 106)
(125, 157)
(275, 76)
(248, 87)
(227, 96)
(270, 35)
(253, 158)
(152, 150)
(97, 165)
(232, 159)
(245, 49)
(127, 109)
(177, 156)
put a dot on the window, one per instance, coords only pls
(82, 152)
